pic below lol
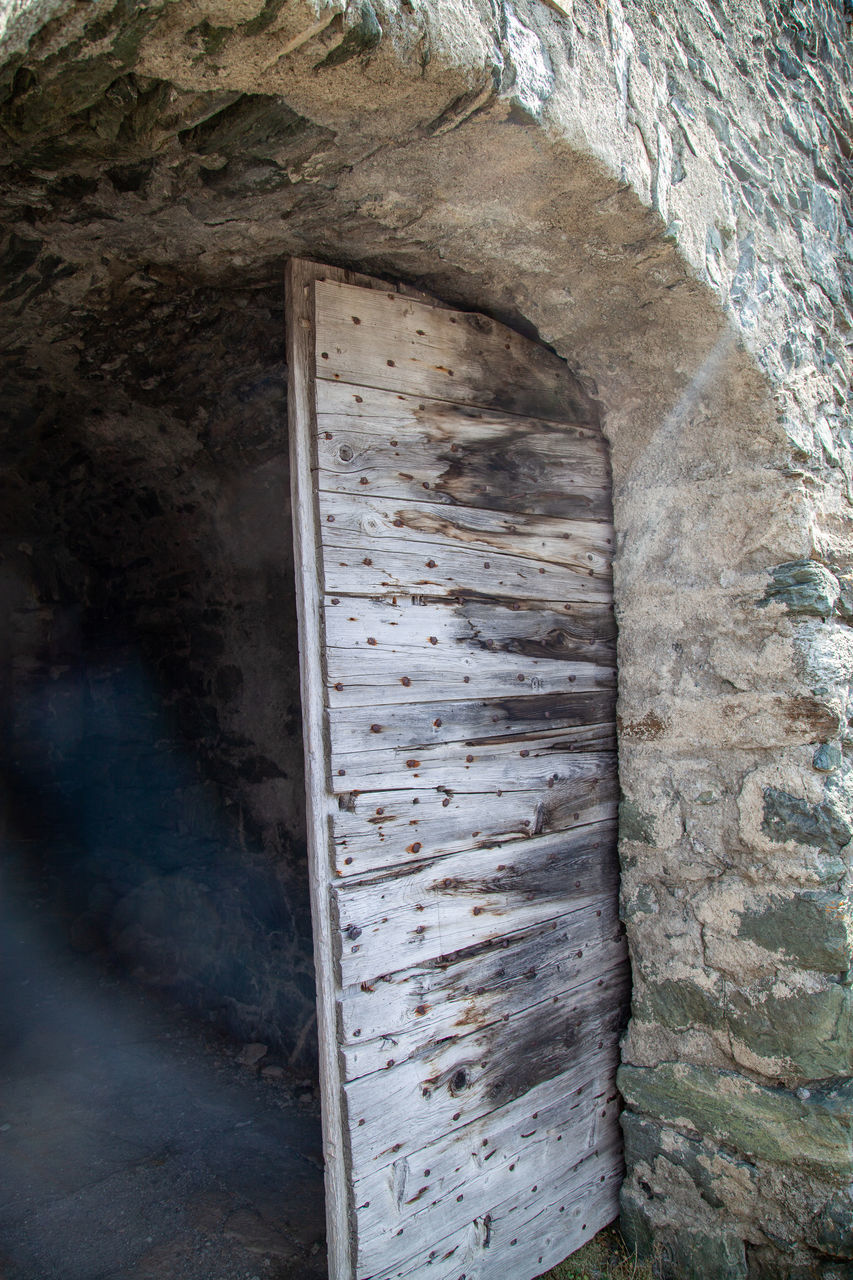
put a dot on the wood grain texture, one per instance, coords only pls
(382, 443)
(454, 510)
(432, 1198)
(299, 291)
(390, 1020)
(553, 758)
(379, 547)
(562, 632)
(386, 341)
(460, 1079)
(374, 830)
(419, 724)
(391, 920)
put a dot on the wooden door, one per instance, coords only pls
(452, 521)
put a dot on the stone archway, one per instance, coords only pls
(573, 176)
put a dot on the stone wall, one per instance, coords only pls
(661, 192)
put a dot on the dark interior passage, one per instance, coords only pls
(151, 746)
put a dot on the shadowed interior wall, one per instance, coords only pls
(152, 740)
(661, 191)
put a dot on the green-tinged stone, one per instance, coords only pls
(810, 928)
(680, 1004)
(803, 586)
(360, 39)
(811, 1031)
(644, 1143)
(832, 1229)
(634, 824)
(680, 1252)
(844, 608)
(827, 757)
(786, 817)
(641, 902)
(763, 1122)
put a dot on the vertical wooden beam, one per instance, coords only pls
(299, 285)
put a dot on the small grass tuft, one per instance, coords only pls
(605, 1257)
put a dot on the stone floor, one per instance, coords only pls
(133, 1145)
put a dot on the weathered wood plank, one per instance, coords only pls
(392, 920)
(553, 969)
(560, 756)
(399, 344)
(525, 1236)
(493, 968)
(395, 1018)
(382, 443)
(356, 678)
(440, 570)
(560, 633)
(300, 394)
(421, 1199)
(457, 1080)
(416, 724)
(583, 547)
(373, 831)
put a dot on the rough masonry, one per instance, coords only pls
(661, 192)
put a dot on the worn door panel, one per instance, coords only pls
(453, 538)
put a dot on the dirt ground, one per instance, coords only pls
(133, 1143)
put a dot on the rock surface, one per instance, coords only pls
(660, 191)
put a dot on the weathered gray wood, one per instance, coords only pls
(381, 548)
(396, 343)
(300, 359)
(560, 633)
(377, 830)
(580, 547)
(457, 1080)
(378, 442)
(529, 1234)
(391, 920)
(356, 679)
(429, 1196)
(454, 513)
(561, 755)
(388, 1021)
(488, 719)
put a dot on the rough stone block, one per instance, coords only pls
(647, 1142)
(815, 1129)
(807, 1034)
(812, 928)
(804, 586)
(832, 1230)
(680, 1252)
(787, 817)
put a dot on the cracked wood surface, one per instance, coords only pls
(463, 850)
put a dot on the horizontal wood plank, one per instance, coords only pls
(394, 919)
(476, 989)
(458, 1080)
(559, 756)
(579, 547)
(568, 632)
(440, 570)
(416, 724)
(376, 442)
(422, 1199)
(355, 678)
(375, 830)
(396, 343)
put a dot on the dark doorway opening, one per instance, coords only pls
(158, 1006)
